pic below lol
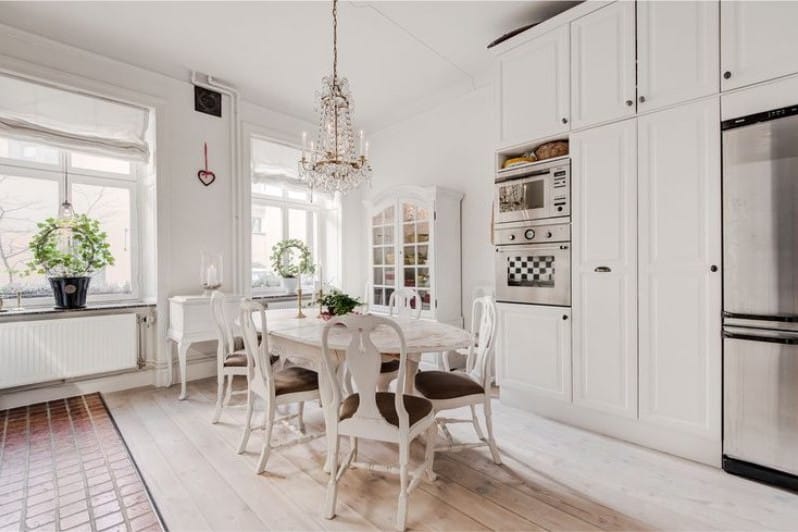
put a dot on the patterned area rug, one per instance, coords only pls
(64, 466)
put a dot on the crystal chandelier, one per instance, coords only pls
(329, 164)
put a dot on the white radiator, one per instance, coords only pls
(45, 350)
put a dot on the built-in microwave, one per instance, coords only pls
(533, 191)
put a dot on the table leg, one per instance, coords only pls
(411, 368)
(182, 354)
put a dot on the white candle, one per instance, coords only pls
(212, 276)
(366, 150)
(362, 142)
(304, 143)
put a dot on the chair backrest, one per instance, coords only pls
(405, 302)
(224, 329)
(258, 357)
(363, 362)
(483, 340)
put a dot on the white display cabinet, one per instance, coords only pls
(414, 241)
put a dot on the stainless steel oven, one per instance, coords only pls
(534, 191)
(533, 263)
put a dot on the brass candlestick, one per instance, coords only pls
(299, 313)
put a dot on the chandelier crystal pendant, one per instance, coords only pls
(330, 163)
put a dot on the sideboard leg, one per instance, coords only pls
(182, 353)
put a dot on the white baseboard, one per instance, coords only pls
(662, 439)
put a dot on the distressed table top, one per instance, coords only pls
(421, 336)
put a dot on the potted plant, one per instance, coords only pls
(69, 251)
(290, 259)
(337, 303)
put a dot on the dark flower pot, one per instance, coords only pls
(70, 292)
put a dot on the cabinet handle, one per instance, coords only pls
(629, 103)
(564, 120)
(642, 99)
(713, 268)
(565, 316)
(726, 75)
(602, 269)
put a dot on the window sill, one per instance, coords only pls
(12, 314)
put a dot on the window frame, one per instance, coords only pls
(55, 173)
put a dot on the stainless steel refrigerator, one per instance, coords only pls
(760, 296)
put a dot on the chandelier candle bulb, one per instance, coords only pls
(362, 143)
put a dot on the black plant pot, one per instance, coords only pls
(70, 292)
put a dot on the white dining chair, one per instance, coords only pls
(382, 416)
(274, 386)
(449, 390)
(404, 302)
(231, 359)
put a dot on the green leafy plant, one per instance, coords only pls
(284, 262)
(339, 303)
(72, 248)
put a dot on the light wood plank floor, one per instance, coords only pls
(554, 477)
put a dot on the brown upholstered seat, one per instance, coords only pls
(295, 379)
(446, 385)
(389, 366)
(417, 407)
(239, 359)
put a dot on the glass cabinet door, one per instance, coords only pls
(383, 250)
(415, 241)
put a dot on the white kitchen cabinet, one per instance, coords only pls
(677, 48)
(534, 89)
(603, 65)
(758, 41)
(604, 177)
(414, 241)
(679, 260)
(534, 349)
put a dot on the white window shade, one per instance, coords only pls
(71, 120)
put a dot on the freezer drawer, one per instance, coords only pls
(761, 397)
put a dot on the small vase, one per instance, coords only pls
(70, 292)
(290, 285)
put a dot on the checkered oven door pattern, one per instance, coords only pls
(530, 271)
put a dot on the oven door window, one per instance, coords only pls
(530, 270)
(514, 197)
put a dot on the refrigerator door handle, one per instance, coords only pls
(757, 338)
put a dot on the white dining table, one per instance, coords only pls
(299, 340)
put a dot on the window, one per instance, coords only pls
(31, 189)
(282, 208)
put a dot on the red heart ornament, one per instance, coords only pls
(206, 177)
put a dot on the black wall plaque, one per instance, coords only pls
(207, 101)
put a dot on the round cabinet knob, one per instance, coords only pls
(548, 234)
(529, 234)
(713, 268)
(564, 120)
(726, 75)
(629, 103)
(565, 316)
(642, 99)
(511, 237)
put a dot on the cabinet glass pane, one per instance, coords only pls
(390, 276)
(379, 256)
(388, 215)
(382, 235)
(377, 219)
(379, 298)
(422, 232)
(389, 256)
(408, 212)
(409, 233)
(422, 214)
(378, 276)
(410, 277)
(425, 299)
(422, 277)
(388, 292)
(422, 255)
(410, 255)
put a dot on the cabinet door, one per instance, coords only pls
(677, 46)
(603, 65)
(534, 349)
(534, 88)
(680, 241)
(758, 41)
(604, 189)
(383, 261)
(415, 227)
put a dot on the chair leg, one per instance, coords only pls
(332, 483)
(300, 423)
(494, 450)
(401, 508)
(429, 457)
(217, 413)
(229, 393)
(268, 423)
(353, 443)
(475, 422)
(247, 423)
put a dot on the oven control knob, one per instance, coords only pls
(511, 237)
(529, 234)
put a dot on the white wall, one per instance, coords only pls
(451, 146)
(190, 217)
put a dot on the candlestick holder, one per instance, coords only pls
(210, 272)
(299, 313)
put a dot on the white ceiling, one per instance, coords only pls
(400, 56)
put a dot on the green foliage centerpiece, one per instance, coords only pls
(337, 303)
(69, 250)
